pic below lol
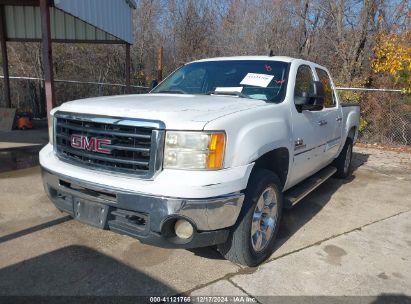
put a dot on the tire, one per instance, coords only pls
(343, 161)
(243, 248)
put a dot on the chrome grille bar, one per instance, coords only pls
(97, 131)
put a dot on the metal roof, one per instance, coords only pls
(111, 16)
(107, 21)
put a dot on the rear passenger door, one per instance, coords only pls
(331, 116)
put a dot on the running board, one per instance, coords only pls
(301, 190)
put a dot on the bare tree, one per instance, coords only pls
(349, 28)
(146, 20)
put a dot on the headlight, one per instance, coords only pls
(194, 150)
(51, 127)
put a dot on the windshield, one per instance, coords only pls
(257, 79)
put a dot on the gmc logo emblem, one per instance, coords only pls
(82, 142)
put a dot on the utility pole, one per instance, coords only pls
(128, 87)
(160, 64)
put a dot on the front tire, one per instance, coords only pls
(252, 239)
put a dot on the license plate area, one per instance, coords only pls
(91, 213)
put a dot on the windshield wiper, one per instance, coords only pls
(176, 91)
(231, 93)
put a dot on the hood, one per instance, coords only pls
(177, 111)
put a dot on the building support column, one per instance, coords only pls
(6, 79)
(128, 71)
(47, 55)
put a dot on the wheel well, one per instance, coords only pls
(351, 133)
(276, 161)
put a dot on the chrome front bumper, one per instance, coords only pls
(206, 215)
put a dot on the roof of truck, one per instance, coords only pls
(265, 58)
(273, 58)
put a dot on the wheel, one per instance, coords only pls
(252, 238)
(343, 161)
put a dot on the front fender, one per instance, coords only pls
(258, 138)
(253, 133)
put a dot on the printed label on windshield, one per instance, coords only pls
(258, 80)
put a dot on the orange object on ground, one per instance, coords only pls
(24, 123)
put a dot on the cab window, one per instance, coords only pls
(329, 100)
(303, 81)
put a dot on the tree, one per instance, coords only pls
(393, 57)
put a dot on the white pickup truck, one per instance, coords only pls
(209, 157)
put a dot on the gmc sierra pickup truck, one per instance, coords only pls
(209, 157)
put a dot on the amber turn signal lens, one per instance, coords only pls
(216, 150)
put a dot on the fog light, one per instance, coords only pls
(183, 229)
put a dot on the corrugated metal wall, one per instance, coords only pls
(102, 20)
(111, 16)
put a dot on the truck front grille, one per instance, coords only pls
(125, 145)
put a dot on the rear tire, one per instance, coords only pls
(252, 239)
(343, 161)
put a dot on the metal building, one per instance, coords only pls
(47, 21)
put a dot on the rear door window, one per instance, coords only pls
(329, 100)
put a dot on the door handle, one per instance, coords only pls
(298, 142)
(338, 119)
(322, 123)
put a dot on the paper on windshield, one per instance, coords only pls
(228, 89)
(258, 80)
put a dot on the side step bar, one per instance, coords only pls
(301, 190)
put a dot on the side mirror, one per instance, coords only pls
(312, 101)
(154, 83)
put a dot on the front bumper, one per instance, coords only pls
(145, 217)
